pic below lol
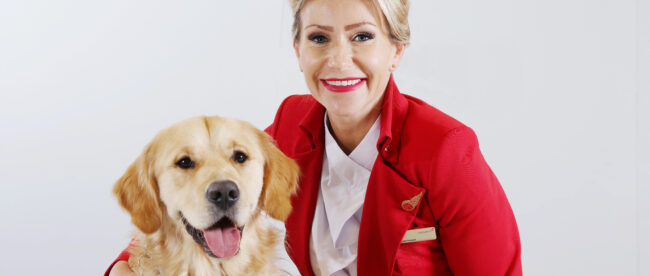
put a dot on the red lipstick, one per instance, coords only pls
(342, 85)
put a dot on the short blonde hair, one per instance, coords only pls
(395, 12)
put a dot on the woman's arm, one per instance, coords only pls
(478, 230)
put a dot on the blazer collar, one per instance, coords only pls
(394, 109)
(312, 125)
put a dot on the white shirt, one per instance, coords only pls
(344, 179)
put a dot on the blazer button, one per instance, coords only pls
(387, 148)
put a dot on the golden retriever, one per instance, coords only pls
(198, 195)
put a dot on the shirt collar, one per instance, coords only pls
(364, 154)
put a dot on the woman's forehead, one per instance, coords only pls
(339, 13)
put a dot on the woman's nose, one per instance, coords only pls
(340, 56)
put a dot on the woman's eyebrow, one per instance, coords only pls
(352, 26)
(347, 27)
(327, 28)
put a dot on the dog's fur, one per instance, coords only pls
(159, 194)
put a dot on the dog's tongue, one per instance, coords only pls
(223, 242)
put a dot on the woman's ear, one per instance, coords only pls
(397, 56)
(137, 192)
(280, 180)
(295, 49)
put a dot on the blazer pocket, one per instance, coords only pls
(421, 258)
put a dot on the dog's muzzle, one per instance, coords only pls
(222, 239)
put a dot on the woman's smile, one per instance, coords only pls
(343, 85)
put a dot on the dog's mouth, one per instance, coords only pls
(220, 240)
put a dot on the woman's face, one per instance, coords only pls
(346, 55)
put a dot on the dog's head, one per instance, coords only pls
(211, 176)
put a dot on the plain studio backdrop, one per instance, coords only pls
(557, 92)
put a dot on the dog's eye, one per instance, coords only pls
(239, 157)
(185, 163)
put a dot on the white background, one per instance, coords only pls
(557, 91)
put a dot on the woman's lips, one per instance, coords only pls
(342, 85)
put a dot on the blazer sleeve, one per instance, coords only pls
(477, 227)
(124, 256)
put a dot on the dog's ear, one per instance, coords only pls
(280, 180)
(137, 192)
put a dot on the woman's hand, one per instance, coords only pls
(121, 268)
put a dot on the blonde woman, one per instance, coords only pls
(390, 185)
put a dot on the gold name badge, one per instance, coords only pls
(420, 234)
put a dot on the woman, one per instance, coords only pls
(377, 165)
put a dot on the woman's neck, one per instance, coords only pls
(348, 131)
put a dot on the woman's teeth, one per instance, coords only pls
(343, 83)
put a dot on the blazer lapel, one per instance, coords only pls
(299, 222)
(385, 219)
(391, 202)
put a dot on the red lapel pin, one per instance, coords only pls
(409, 204)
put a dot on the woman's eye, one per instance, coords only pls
(185, 163)
(239, 157)
(363, 37)
(318, 38)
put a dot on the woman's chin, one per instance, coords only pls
(346, 110)
(347, 104)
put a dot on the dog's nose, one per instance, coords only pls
(224, 194)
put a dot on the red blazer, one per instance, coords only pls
(421, 150)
